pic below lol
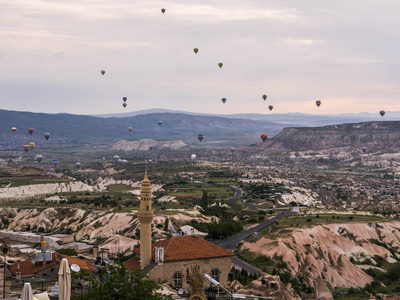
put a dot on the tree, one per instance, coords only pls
(204, 200)
(68, 251)
(120, 283)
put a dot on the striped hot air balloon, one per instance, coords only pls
(264, 137)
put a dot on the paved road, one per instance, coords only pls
(251, 206)
(240, 264)
(231, 243)
(238, 194)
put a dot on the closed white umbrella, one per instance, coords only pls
(27, 292)
(64, 281)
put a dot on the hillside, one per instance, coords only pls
(78, 130)
(373, 135)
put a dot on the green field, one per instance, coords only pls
(325, 219)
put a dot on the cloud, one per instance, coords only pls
(293, 51)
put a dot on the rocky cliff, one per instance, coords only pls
(326, 251)
(373, 135)
(144, 145)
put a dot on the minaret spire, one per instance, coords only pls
(145, 216)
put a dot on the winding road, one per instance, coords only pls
(232, 242)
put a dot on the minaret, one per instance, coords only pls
(145, 216)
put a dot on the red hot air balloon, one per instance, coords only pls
(318, 103)
(264, 137)
(14, 129)
(26, 148)
(31, 130)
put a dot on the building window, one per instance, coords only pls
(215, 274)
(147, 207)
(178, 279)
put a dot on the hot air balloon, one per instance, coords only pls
(196, 50)
(119, 161)
(124, 161)
(124, 104)
(193, 156)
(264, 97)
(270, 107)
(163, 10)
(78, 165)
(116, 157)
(318, 103)
(220, 65)
(31, 130)
(130, 129)
(47, 135)
(223, 100)
(364, 149)
(32, 145)
(13, 129)
(151, 148)
(160, 123)
(55, 162)
(102, 72)
(382, 112)
(233, 149)
(264, 137)
(124, 99)
(39, 158)
(200, 137)
(26, 148)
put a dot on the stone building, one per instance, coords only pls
(170, 259)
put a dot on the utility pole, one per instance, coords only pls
(5, 250)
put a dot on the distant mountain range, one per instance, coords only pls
(288, 119)
(218, 130)
(78, 130)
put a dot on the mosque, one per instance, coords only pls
(170, 259)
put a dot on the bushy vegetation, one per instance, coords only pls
(118, 282)
(217, 231)
(243, 276)
(102, 201)
(68, 251)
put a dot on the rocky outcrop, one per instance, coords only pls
(88, 225)
(34, 190)
(144, 145)
(322, 291)
(268, 286)
(373, 135)
(326, 251)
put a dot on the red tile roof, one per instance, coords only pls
(83, 264)
(132, 263)
(188, 247)
(27, 268)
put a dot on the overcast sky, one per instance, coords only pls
(344, 53)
